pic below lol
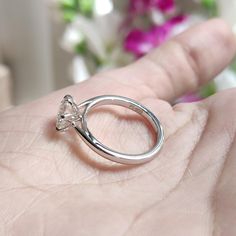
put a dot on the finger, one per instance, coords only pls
(184, 63)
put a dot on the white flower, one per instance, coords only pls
(102, 7)
(71, 38)
(102, 39)
(226, 80)
(99, 33)
(79, 70)
(157, 17)
(92, 35)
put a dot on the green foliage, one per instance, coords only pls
(98, 61)
(86, 7)
(69, 4)
(233, 66)
(211, 6)
(208, 90)
(208, 3)
(70, 8)
(81, 48)
(69, 15)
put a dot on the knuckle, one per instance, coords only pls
(190, 57)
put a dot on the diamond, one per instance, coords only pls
(68, 113)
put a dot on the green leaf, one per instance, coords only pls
(211, 7)
(208, 90)
(86, 7)
(69, 15)
(208, 3)
(69, 4)
(69, 9)
(81, 48)
(233, 66)
(98, 61)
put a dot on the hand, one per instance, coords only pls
(53, 184)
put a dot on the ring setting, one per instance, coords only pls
(74, 115)
(68, 114)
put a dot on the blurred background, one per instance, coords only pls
(46, 45)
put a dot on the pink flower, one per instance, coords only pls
(188, 98)
(142, 6)
(141, 42)
(165, 5)
(176, 20)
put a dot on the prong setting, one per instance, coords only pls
(68, 114)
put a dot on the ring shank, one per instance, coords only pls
(108, 153)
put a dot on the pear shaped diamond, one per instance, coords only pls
(68, 114)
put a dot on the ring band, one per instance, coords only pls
(71, 114)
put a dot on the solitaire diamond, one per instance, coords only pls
(68, 114)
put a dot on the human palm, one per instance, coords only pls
(52, 184)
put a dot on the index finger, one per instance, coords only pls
(184, 63)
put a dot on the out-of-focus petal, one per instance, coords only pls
(189, 21)
(109, 26)
(103, 7)
(165, 5)
(71, 38)
(139, 6)
(137, 42)
(142, 6)
(141, 42)
(192, 97)
(79, 70)
(92, 35)
(226, 80)
(157, 17)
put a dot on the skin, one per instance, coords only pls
(51, 183)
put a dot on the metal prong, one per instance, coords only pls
(61, 130)
(57, 129)
(69, 99)
(66, 116)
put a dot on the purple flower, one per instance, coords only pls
(141, 42)
(142, 6)
(165, 5)
(176, 20)
(139, 6)
(188, 98)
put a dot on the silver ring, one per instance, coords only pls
(73, 115)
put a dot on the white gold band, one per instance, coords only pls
(66, 119)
